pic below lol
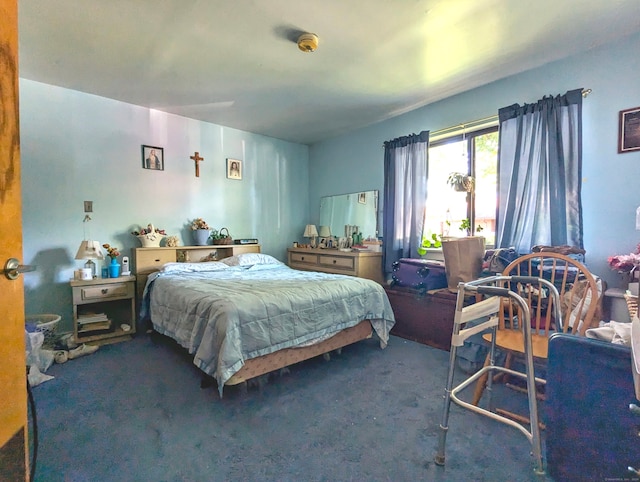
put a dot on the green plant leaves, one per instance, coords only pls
(434, 241)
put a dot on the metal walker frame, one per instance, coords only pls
(495, 291)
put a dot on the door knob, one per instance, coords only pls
(13, 268)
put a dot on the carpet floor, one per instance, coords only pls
(134, 411)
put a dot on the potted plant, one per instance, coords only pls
(201, 231)
(626, 264)
(465, 225)
(434, 241)
(221, 236)
(461, 182)
(114, 266)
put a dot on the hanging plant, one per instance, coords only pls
(461, 182)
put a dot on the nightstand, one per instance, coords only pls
(100, 308)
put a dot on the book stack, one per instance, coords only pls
(93, 324)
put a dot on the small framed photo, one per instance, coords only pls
(234, 169)
(629, 130)
(153, 158)
(362, 198)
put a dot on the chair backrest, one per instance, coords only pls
(632, 304)
(578, 289)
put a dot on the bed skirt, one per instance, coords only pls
(288, 356)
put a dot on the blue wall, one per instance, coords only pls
(77, 147)
(611, 190)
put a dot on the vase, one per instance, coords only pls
(201, 237)
(114, 268)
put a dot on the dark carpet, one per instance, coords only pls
(135, 411)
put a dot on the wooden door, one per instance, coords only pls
(13, 405)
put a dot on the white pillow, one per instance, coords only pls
(193, 267)
(247, 259)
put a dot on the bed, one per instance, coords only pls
(250, 314)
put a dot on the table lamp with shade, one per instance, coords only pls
(324, 232)
(310, 231)
(90, 250)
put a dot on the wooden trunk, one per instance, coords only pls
(423, 316)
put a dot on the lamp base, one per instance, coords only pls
(91, 265)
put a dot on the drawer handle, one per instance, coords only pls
(334, 261)
(105, 291)
(302, 258)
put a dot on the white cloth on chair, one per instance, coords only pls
(635, 354)
(614, 331)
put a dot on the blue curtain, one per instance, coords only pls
(405, 194)
(540, 172)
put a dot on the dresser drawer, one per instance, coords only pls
(353, 263)
(338, 262)
(105, 291)
(304, 258)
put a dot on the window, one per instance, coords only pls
(452, 213)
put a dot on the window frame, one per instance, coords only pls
(470, 138)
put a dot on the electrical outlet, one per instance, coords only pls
(88, 206)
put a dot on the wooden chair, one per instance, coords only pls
(632, 304)
(580, 301)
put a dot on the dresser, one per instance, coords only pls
(363, 264)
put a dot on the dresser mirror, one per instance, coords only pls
(355, 209)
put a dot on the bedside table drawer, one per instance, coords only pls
(106, 291)
(112, 301)
(338, 262)
(304, 258)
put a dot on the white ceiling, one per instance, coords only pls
(234, 63)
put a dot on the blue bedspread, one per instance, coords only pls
(226, 316)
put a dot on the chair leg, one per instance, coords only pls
(518, 418)
(539, 396)
(504, 377)
(481, 383)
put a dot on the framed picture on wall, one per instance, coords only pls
(153, 158)
(234, 169)
(629, 130)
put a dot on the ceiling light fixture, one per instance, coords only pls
(308, 42)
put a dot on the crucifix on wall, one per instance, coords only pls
(196, 158)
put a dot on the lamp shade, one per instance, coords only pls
(324, 232)
(89, 250)
(310, 231)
